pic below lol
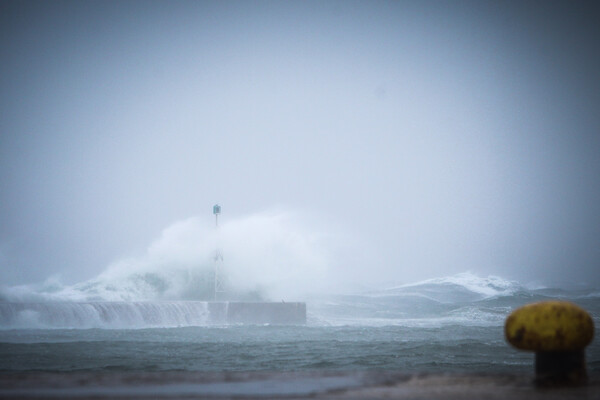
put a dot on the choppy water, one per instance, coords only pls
(448, 324)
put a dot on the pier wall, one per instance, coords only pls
(240, 312)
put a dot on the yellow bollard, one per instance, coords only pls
(557, 331)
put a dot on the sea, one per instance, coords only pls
(448, 324)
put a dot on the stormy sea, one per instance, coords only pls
(452, 324)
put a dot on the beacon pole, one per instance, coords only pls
(218, 287)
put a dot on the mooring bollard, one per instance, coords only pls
(557, 331)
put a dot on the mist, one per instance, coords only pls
(266, 256)
(349, 143)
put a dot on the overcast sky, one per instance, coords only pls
(442, 136)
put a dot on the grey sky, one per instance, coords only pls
(446, 136)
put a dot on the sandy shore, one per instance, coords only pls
(288, 385)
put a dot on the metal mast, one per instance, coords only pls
(218, 257)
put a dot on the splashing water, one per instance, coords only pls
(268, 255)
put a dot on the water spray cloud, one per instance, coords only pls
(269, 255)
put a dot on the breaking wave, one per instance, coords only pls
(180, 265)
(464, 299)
(465, 286)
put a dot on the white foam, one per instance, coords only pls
(487, 287)
(103, 315)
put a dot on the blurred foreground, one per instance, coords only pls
(289, 385)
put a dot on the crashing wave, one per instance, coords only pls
(266, 256)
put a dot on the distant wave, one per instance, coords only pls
(488, 286)
(463, 299)
(464, 286)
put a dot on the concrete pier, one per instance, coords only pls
(240, 312)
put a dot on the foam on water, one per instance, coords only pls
(463, 299)
(467, 281)
(113, 315)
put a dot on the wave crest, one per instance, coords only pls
(464, 286)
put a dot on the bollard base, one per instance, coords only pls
(557, 368)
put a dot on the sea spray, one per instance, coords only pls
(266, 256)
